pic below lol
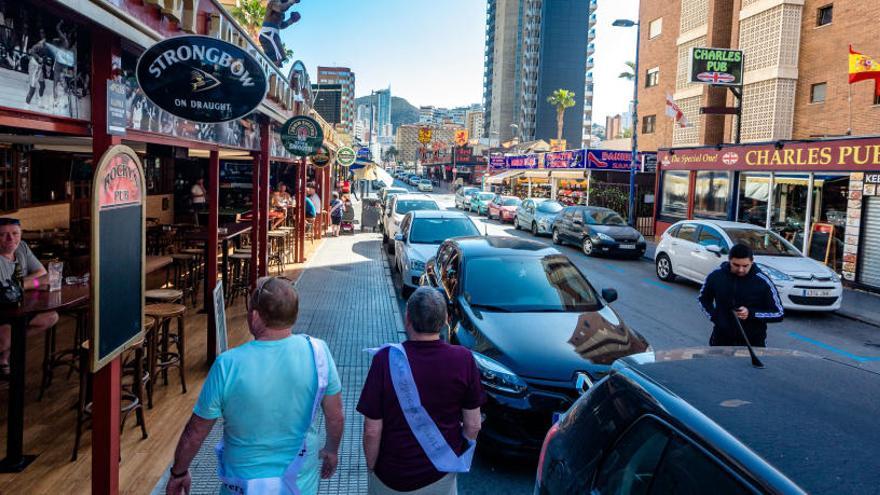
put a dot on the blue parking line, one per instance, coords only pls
(860, 359)
(656, 283)
(614, 268)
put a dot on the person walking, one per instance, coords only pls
(337, 208)
(424, 382)
(740, 290)
(268, 392)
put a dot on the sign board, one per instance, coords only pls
(463, 155)
(345, 156)
(558, 144)
(565, 159)
(461, 137)
(872, 178)
(117, 118)
(201, 79)
(220, 319)
(425, 135)
(609, 160)
(716, 66)
(322, 158)
(117, 264)
(364, 154)
(302, 136)
(521, 162)
(497, 162)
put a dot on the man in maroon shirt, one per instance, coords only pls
(449, 388)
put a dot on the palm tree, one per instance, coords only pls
(561, 99)
(391, 154)
(629, 74)
(250, 14)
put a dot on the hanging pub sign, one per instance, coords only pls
(322, 158)
(117, 252)
(345, 156)
(302, 136)
(201, 79)
(716, 66)
(564, 159)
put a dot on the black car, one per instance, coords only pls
(705, 421)
(535, 325)
(598, 231)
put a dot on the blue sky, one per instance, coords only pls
(431, 51)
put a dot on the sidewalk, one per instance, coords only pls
(346, 299)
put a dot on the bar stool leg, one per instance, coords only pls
(138, 388)
(181, 350)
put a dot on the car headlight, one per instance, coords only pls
(835, 277)
(496, 376)
(641, 239)
(416, 265)
(774, 274)
(543, 221)
(604, 237)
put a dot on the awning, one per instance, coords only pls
(536, 174)
(500, 177)
(568, 174)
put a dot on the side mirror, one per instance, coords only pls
(609, 295)
(712, 248)
(398, 237)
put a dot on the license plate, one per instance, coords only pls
(627, 246)
(817, 293)
(557, 415)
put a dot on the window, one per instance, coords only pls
(711, 237)
(437, 230)
(688, 232)
(711, 195)
(817, 92)
(824, 15)
(754, 194)
(648, 123)
(675, 194)
(687, 469)
(630, 467)
(652, 78)
(655, 28)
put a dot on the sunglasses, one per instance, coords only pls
(9, 221)
(261, 287)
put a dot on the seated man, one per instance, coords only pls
(13, 251)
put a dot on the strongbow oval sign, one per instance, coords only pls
(201, 79)
(302, 136)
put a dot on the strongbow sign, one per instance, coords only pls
(201, 79)
(716, 66)
(302, 136)
(345, 156)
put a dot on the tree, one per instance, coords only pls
(630, 73)
(250, 14)
(561, 99)
(391, 154)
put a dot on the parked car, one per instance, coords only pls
(463, 196)
(598, 231)
(537, 215)
(480, 202)
(503, 208)
(692, 249)
(534, 324)
(414, 179)
(388, 192)
(425, 185)
(400, 205)
(693, 421)
(421, 233)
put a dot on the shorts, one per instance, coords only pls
(447, 485)
(336, 220)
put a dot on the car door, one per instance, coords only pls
(681, 250)
(400, 247)
(388, 212)
(528, 214)
(704, 260)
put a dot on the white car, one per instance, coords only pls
(400, 205)
(421, 233)
(425, 186)
(692, 249)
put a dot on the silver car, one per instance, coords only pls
(537, 215)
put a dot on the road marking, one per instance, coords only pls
(614, 268)
(651, 281)
(854, 357)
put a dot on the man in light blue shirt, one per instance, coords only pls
(266, 392)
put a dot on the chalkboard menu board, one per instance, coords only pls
(118, 202)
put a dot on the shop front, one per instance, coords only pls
(819, 195)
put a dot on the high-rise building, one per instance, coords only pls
(345, 78)
(328, 102)
(383, 113)
(426, 114)
(534, 47)
(474, 123)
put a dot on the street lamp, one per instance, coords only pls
(635, 118)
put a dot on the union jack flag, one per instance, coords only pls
(716, 77)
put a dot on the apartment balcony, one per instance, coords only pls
(591, 34)
(594, 4)
(590, 63)
(592, 20)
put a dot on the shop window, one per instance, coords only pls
(817, 92)
(655, 28)
(830, 201)
(675, 194)
(790, 206)
(648, 124)
(712, 194)
(824, 15)
(754, 191)
(652, 78)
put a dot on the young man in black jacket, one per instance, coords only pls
(739, 289)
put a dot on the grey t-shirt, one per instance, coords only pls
(26, 259)
(316, 200)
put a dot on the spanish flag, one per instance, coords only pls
(862, 68)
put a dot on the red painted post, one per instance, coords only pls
(265, 137)
(211, 250)
(106, 61)
(301, 210)
(255, 219)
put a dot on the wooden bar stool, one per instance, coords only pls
(184, 274)
(164, 295)
(277, 251)
(67, 357)
(240, 263)
(160, 355)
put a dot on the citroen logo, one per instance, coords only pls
(202, 81)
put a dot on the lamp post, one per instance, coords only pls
(635, 117)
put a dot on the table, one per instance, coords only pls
(19, 316)
(156, 263)
(233, 230)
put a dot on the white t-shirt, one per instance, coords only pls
(198, 194)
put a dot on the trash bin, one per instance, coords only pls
(371, 211)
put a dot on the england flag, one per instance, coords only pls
(674, 111)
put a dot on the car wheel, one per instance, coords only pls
(535, 229)
(556, 239)
(587, 246)
(664, 268)
(516, 223)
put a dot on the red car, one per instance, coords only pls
(504, 208)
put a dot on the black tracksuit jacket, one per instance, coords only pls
(723, 292)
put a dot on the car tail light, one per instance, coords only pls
(547, 439)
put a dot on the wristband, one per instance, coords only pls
(36, 283)
(175, 475)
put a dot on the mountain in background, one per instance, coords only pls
(402, 112)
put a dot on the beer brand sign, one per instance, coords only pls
(120, 183)
(302, 136)
(842, 155)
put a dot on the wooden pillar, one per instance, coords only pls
(255, 219)
(263, 240)
(211, 250)
(301, 210)
(106, 59)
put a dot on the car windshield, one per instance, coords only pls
(602, 217)
(763, 242)
(425, 181)
(530, 284)
(437, 230)
(550, 207)
(511, 202)
(408, 205)
(485, 196)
